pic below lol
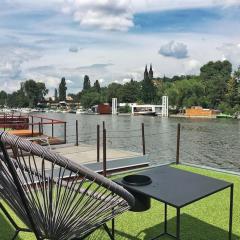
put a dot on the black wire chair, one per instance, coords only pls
(54, 197)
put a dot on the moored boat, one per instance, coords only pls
(222, 115)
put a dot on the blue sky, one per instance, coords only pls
(113, 40)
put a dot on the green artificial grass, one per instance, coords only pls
(206, 219)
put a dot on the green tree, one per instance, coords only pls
(86, 83)
(18, 99)
(97, 86)
(148, 90)
(114, 91)
(3, 98)
(130, 92)
(56, 95)
(90, 98)
(33, 91)
(236, 74)
(232, 94)
(215, 76)
(185, 93)
(62, 90)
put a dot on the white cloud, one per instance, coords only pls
(101, 14)
(160, 5)
(50, 81)
(174, 49)
(73, 49)
(69, 81)
(192, 66)
(231, 52)
(126, 80)
(10, 69)
(101, 80)
(11, 65)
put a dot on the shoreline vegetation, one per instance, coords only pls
(216, 87)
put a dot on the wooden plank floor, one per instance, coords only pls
(85, 153)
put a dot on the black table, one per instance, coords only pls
(178, 189)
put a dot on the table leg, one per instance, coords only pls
(165, 218)
(230, 212)
(178, 225)
(113, 228)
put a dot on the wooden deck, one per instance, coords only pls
(85, 153)
(113, 166)
(117, 160)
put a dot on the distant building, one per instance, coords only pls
(103, 108)
(69, 98)
(148, 74)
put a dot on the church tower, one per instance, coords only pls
(146, 73)
(150, 74)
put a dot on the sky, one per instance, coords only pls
(113, 40)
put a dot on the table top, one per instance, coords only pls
(177, 187)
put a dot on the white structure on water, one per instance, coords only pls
(150, 109)
(114, 106)
(164, 106)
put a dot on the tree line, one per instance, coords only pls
(217, 86)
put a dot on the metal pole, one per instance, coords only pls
(230, 213)
(41, 125)
(103, 123)
(4, 120)
(178, 224)
(165, 218)
(143, 139)
(76, 133)
(98, 143)
(178, 142)
(52, 130)
(39, 128)
(65, 132)
(32, 125)
(104, 154)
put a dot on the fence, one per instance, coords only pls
(180, 144)
(36, 126)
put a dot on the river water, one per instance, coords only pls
(210, 142)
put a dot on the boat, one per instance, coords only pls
(222, 115)
(71, 111)
(145, 113)
(146, 110)
(25, 110)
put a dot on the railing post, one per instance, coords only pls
(39, 128)
(98, 143)
(178, 142)
(65, 132)
(52, 130)
(104, 153)
(41, 125)
(76, 133)
(32, 125)
(4, 120)
(103, 123)
(143, 139)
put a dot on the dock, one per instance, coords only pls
(117, 160)
(85, 153)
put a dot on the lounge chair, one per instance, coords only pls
(34, 185)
